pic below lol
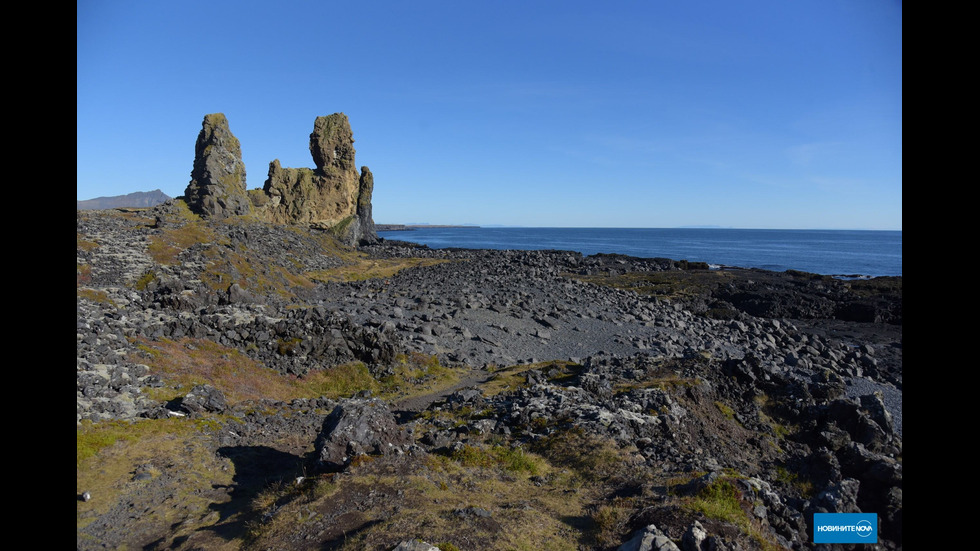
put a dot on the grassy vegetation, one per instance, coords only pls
(666, 380)
(137, 216)
(83, 274)
(552, 494)
(84, 244)
(428, 499)
(144, 280)
(415, 374)
(95, 295)
(725, 410)
(91, 438)
(590, 457)
(510, 459)
(415, 366)
(186, 362)
(512, 377)
(339, 229)
(803, 486)
(363, 268)
(166, 246)
(767, 416)
(227, 264)
(184, 213)
(342, 381)
(721, 500)
(226, 267)
(609, 521)
(109, 453)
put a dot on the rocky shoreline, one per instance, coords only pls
(783, 388)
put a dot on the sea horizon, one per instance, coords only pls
(704, 227)
(836, 252)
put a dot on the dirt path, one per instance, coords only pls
(409, 407)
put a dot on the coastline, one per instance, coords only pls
(835, 252)
(670, 369)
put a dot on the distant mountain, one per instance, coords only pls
(138, 199)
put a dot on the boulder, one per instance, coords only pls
(359, 427)
(217, 187)
(649, 539)
(236, 294)
(203, 399)
(414, 545)
(694, 538)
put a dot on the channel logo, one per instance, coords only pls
(845, 528)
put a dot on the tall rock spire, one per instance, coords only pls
(366, 233)
(217, 186)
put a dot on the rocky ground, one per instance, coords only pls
(242, 385)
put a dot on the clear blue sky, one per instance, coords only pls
(757, 114)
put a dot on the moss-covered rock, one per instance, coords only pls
(332, 146)
(333, 196)
(217, 187)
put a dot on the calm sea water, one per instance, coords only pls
(829, 252)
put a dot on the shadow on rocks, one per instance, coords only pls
(256, 468)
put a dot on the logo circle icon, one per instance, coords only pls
(864, 528)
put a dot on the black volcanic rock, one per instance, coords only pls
(647, 398)
(359, 427)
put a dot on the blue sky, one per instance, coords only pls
(754, 114)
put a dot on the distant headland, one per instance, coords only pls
(410, 227)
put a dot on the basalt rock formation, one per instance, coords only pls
(217, 187)
(332, 196)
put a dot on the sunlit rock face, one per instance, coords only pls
(217, 187)
(333, 196)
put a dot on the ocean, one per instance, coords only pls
(842, 253)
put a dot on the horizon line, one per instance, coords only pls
(684, 227)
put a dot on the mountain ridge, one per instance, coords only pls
(137, 199)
